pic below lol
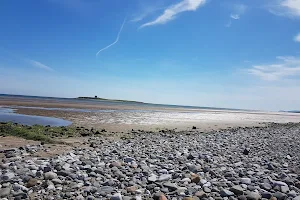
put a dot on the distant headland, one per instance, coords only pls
(104, 99)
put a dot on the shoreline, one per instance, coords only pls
(120, 118)
(94, 120)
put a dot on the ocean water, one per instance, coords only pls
(107, 102)
(134, 114)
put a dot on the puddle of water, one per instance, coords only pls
(8, 115)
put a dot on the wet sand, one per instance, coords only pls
(121, 118)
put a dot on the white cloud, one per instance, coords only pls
(292, 5)
(238, 10)
(235, 16)
(145, 13)
(297, 38)
(286, 66)
(289, 8)
(173, 10)
(140, 17)
(39, 65)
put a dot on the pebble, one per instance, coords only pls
(56, 181)
(279, 195)
(50, 175)
(207, 190)
(171, 186)
(128, 159)
(266, 195)
(195, 178)
(253, 196)
(152, 178)
(166, 165)
(226, 193)
(106, 189)
(116, 196)
(246, 181)
(164, 177)
(8, 176)
(51, 187)
(284, 189)
(4, 192)
(279, 183)
(266, 186)
(32, 182)
(238, 190)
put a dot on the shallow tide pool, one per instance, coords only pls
(8, 115)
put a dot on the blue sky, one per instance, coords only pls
(233, 53)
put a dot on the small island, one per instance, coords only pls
(104, 99)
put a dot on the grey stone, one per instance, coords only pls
(170, 186)
(226, 193)
(188, 180)
(165, 177)
(270, 166)
(164, 190)
(206, 189)
(128, 159)
(8, 176)
(238, 190)
(50, 175)
(51, 187)
(201, 194)
(251, 187)
(116, 196)
(266, 186)
(245, 181)
(292, 193)
(106, 189)
(152, 178)
(284, 188)
(19, 195)
(56, 181)
(80, 197)
(4, 192)
(253, 196)
(63, 173)
(279, 183)
(280, 196)
(266, 195)
(242, 197)
(296, 198)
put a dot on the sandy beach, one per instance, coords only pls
(123, 117)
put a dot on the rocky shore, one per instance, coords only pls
(240, 163)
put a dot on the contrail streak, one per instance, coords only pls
(115, 40)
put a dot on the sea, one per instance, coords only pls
(112, 102)
(137, 113)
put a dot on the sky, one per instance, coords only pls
(232, 54)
